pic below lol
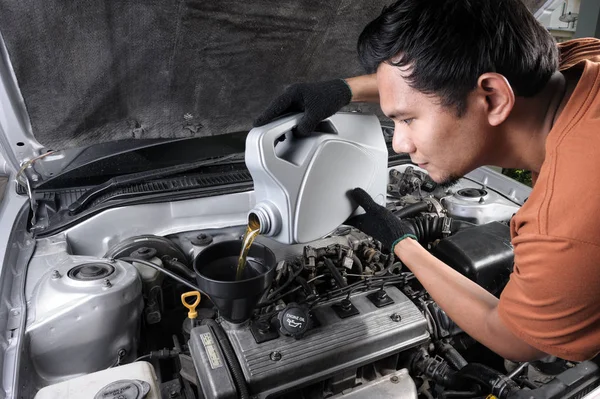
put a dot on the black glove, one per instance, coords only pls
(317, 100)
(379, 222)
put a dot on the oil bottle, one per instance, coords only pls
(301, 185)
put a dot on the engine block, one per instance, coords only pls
(336, 344)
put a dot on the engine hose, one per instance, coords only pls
(390, 266)
(439, 371)
(500, 385)
(391, 260)
(175, 265)
(357, 264)
(433, 368)
(230, 358)
(428, 228)
(165, 271)
(413, 209)
(451, 355)
(337, 276)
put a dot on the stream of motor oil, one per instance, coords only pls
(251, 233)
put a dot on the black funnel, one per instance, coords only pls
(216, 268)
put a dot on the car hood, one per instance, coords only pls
(94, 72)
(83, 73)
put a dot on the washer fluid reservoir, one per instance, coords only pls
(301, 185)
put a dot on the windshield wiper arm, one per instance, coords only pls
(125, 180)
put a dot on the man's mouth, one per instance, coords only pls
(421, 165)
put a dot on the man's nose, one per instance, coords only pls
(401, 143)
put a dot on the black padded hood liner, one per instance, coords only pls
(97, 71)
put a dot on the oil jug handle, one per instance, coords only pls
(261, 142)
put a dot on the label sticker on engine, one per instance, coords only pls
(211, 351)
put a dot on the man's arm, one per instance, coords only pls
(364, 88)
(470, 306)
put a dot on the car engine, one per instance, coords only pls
(342, 317)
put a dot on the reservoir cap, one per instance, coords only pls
(124, 389)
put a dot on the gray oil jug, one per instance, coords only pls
(301, 184)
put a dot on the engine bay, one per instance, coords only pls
(342, 316)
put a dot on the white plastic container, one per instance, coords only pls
(301, 185)
(131, 379)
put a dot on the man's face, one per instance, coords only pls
(439, 141)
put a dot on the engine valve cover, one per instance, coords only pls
(336, 344)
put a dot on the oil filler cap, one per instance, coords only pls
(124, 389)
(294, 320)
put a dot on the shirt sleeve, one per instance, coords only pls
(552, 299)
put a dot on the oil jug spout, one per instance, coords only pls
(268, 217)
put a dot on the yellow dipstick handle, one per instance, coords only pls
(192, 314)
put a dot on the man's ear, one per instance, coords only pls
(498, 95)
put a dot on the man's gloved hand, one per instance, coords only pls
(379, 222)
(317, 100)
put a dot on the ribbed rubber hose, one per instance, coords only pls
(230, 358)
(427, 228)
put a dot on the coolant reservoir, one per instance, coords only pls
(301, 185)
(132, 381)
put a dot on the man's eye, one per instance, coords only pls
(407, 121)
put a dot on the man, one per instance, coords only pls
(471, 83)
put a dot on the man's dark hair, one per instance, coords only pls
(443, 46)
